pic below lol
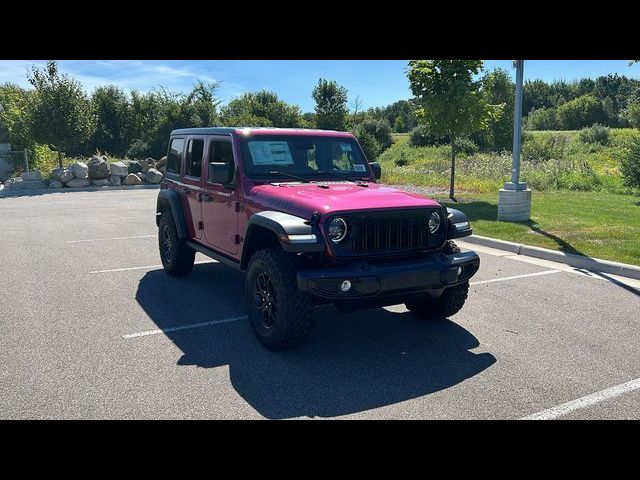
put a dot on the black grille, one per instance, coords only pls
(374, 233)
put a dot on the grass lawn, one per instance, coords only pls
(602, 225)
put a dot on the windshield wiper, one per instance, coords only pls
(357, 181)
(278, 172)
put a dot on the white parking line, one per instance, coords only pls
(112, 238)
(185, 327)
(503, 279)
(585, 401)
(144, 268)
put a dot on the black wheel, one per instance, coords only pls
(177, 257)
(448, 304)
(280, 314)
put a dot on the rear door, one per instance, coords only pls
(220, 208)
(192, 181)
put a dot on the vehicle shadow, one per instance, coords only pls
(352, 362)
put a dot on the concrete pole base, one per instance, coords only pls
(514, 205)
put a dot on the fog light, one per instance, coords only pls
(346, 286)
(459, 271)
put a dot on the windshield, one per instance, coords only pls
(307, 157)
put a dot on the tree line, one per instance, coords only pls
(58, 113)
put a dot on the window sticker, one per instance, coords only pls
(345, 147)
(270, 153)
(359, 168)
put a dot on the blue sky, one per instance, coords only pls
(377, 82)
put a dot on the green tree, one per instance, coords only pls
(14, 120)
(331, 105)
(61, 115)
(580, 112)
(112, 107)
(498, 89)
(398, 125)
(632, 114)
(450, 100)
(536, 94)
(261, 109)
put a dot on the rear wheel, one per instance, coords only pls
(280, 314)
(177, 257)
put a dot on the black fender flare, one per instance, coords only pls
(168, 199)
(294, 234)
(459, 225)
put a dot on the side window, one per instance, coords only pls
(194, 158)
(174, 158)
(221, 151)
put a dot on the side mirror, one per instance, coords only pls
(220, 172)
(375, 168)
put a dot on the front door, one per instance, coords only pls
(220, 206)
(192, 181)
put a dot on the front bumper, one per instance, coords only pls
(432, 272)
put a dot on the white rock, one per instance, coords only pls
(79, 170)
(33, 176)
(62, 175)
(132, 179)
(154, 176)
(78, 182)
(98, 168)
(147, 164)
(119, 168)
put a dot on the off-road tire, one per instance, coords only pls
(291, 322)
(177, 257)
(446, 305)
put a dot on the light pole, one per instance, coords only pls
(514, 200)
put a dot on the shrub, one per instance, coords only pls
(542, 149)
(632, 114)
(631, 165)
(542, 119)
(421, 136)
(379, 129)
(595, 134)
(580, 112)
(369, 145)
(139, 149)
(466, 146)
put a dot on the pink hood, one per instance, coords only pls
(302, 199)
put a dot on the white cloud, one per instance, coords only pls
(127, 74)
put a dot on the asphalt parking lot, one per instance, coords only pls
(91, 327)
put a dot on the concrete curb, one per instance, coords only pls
(4, 192)
(578, 261)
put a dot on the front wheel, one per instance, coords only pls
(446, 305)
(280, 314)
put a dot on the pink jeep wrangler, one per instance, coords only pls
(301, 213)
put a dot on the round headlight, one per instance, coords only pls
(337, 230)
(434, 222)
